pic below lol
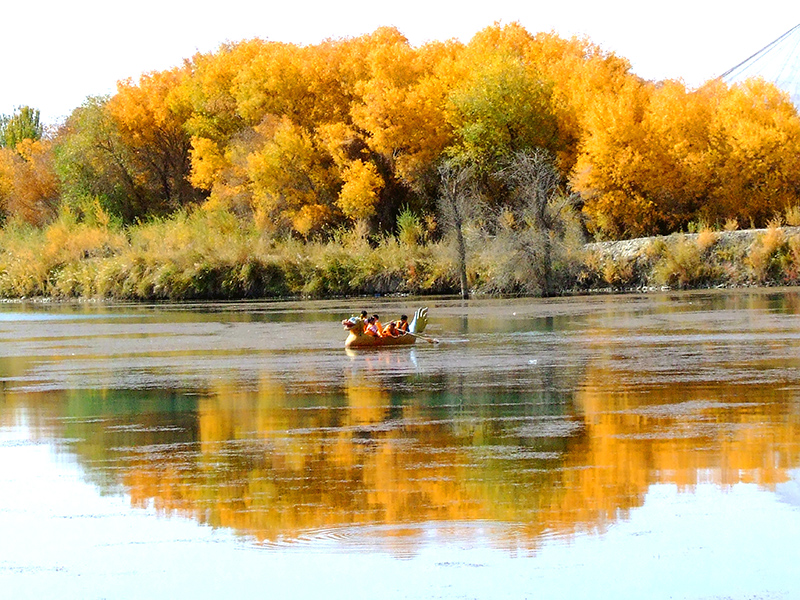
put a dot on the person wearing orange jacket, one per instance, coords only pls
(402, 324)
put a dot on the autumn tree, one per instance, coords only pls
(150, 117)
(294, 187)
(608, 171)
(360, 192)
(502, 104)
(28, 183)
(211, 90)
(676, 174)
(647, 171)
(755, 154)
(581, 73)
(502, 108)
(131, 150)
(305, 139)
(93, 162)
(401, 107)
(656, 157)
(220, 134)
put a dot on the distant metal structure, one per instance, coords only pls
(777, 62)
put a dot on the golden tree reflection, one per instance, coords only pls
(277, 464)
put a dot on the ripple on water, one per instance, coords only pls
(399, 539)
(513, 453)
(682, 409)
(550, 428)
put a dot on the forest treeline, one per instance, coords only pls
(360, 138)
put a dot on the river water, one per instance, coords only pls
(602, 447)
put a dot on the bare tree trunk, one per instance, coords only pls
(462, 262)
(457, 201)
(547, 266)
(533, 177)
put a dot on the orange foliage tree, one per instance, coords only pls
(151, 119)
(305, 139)
(658, 156)
(28, 183)
(132, 151)
(755, 157)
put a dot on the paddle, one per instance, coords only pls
(422, 337)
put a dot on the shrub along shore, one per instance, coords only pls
(210, 255)
(708, 258)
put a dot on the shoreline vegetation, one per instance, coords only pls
(368, 166)
(209, 256)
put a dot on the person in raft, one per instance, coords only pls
(372, 327)
(361, 317)
(378, 324)
(402, 324)
(391, 330)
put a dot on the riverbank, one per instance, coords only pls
(752, 257)
(211, 256)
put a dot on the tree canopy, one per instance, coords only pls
(305, 140)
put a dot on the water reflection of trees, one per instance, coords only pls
(725, 433)
(275, 463)
(290, 467)
(275, 466)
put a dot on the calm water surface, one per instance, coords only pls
(610, 447)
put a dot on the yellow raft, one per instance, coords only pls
(358, 338)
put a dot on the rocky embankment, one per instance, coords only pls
(694, 260)
(630, 249)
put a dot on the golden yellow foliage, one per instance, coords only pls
(151, 117)
(289, 173)
(402, 106)
(207, 163)
(757, 163)
(711, 154)
(295, 136)
(361, 189)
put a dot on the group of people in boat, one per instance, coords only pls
(372, 326)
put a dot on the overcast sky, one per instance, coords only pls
(56, 53)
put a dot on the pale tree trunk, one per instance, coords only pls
(457, 201)
(462, 262)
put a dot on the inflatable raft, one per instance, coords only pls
(358, 338)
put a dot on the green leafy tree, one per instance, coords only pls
(503, 107)
(24, 124)
(93, 162)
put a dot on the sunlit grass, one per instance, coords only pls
(213, 255)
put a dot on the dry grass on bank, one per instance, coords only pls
(205, 255)
(212, 255)
(708, 258)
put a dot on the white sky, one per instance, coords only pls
(56, 53)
